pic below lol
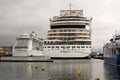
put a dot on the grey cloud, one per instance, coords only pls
(18, 16)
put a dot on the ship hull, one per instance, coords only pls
(27, 53)
(113, 60)
(112, 55)
(66, 54)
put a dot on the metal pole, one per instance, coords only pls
(70, 8)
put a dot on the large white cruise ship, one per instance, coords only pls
(69, 35)
(28, 45)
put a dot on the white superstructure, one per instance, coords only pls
(69, 35)
(28, 45)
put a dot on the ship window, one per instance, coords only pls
(57, 46)
(73, 46)
(78, 46)
(60, 30)
(82, 46)
(118, 51)
(69, 30)
(60, 38)
(73, 30)
(54, 30)
(113, 51)
(67, 26)
(86, 46)
(62, 47)
(89, 46)
(45, 42)
(65, 30)
(51, 42)
(48, 42)
(52, 46)
(48, 46)
(16, 47)
(68, 46)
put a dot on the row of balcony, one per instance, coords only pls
(67, 47)
(69, 23)
(82, 33)
(68, 34)
(57, 18)
(68, 39)
(69, 30)
(69, 19)
(67, 43)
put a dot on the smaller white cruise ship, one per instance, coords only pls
(28, 45)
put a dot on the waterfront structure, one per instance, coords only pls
(111, 51)
(69, 35)
(28, 45)
(3, 51)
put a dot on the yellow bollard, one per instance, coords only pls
(32, 66)
(97, 78)
(36, 67)
(78, 73)
(43, 69)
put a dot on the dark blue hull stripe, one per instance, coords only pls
(113, 61)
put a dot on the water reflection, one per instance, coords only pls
(97, 69)
(58, 70)
(22, 71)
(111, 72)
(67, 70)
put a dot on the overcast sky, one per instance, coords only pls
(19, 16)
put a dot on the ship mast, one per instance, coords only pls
(70, 8)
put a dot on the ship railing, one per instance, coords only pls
(69, 23)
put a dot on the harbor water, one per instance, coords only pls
(72, 69)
